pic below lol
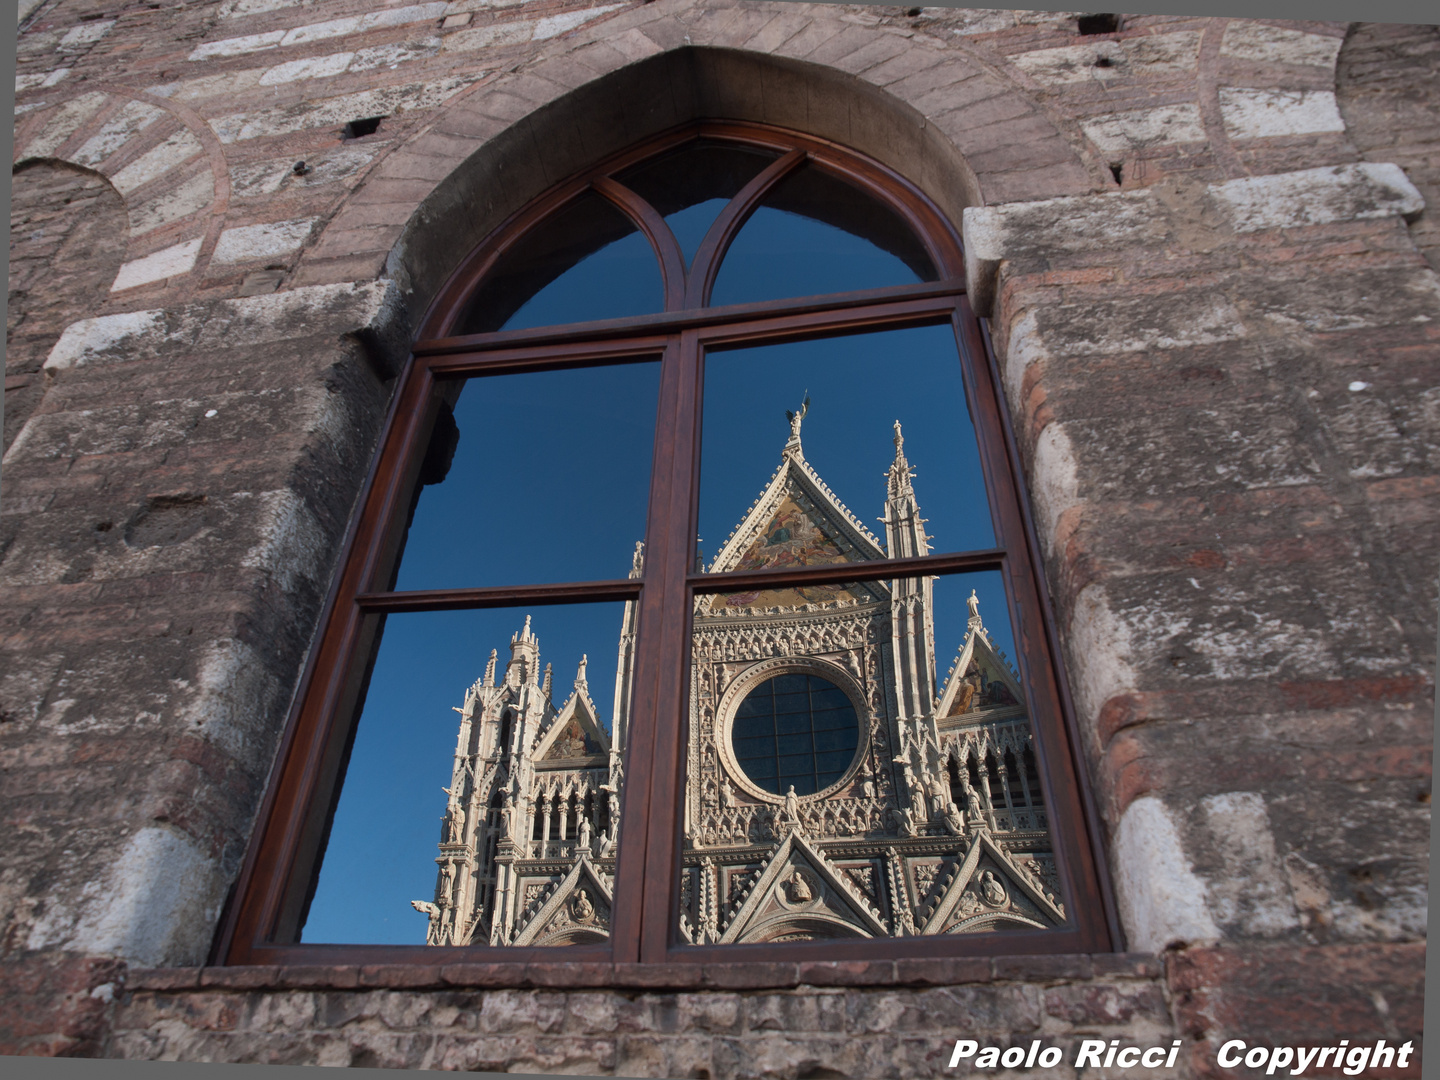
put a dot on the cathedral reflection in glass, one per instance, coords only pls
(837, 786)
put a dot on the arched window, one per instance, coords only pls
(593, 402)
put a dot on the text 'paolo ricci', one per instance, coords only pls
(1099, 1054)
(1093, 1052)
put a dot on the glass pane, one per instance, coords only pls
(586, 261)
(901, 799)
(787, 739)
(691, 184)
(548, 482)
(505, 835)
(816, 234)
(817, 494)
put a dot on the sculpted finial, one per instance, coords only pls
(899, 474)
(796, 418)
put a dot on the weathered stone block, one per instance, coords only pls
(997, 1008)
(516, 1011)
(788, 1012)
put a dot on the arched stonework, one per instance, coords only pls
(1386, 79)
(67, 240)
(160, 156)
(963, 127)
(967, 123)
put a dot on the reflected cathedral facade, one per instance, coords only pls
(835, 786)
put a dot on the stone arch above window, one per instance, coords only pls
(1386, 80)
(505, 144)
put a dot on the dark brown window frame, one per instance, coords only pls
(261, 923)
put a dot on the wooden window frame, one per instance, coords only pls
(260, 924)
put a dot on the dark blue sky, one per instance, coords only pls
(619, 280)
(778, 254)
(550, 483)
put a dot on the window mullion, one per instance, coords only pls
(673, 653)
(662, 240)
(651, 783)
(717, 240)
(474, 354)
(499, 596)
(834, 573)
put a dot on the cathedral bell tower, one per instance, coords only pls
(528, 839)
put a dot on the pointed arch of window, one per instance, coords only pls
(642, 261)
(740, 171)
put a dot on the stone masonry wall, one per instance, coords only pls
(1385, 85)
(1238, 553)
(1202, 247)
(704, 1032)
(67, 237)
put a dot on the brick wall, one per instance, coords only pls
(166, 552)
(1217, 338)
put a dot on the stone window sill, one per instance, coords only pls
(917, 972)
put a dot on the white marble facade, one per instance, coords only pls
(936, 825)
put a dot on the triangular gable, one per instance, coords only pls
(797, 534)
(837, 534)
(797, 521)
(568, 915)
(575, 733)
(1008, 896)
(799, 888)
(978, 664)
